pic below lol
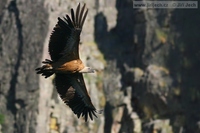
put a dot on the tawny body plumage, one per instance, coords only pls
(68, 67)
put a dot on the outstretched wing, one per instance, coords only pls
(65, 37)
(72, 90)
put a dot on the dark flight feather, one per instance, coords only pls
(65, 37)
(72, 90)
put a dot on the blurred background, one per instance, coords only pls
(148, 62)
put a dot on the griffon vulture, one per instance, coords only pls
(66, 64)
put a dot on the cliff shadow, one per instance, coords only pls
(116, 45)
(183, 63)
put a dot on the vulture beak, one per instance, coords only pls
(87, 70)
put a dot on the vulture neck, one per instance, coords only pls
(87, 70)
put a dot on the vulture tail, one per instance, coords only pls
(46, 70)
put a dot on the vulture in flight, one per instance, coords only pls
(66, 64)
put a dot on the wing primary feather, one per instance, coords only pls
(84, 17)
(63, 24)
(73, 16)
(78, 115)
(83, 113)
(86, 115)
(69, 21)
(82, 11)
(90, 114)
(93, 112)
(77, 14)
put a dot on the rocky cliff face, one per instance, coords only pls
(22, 33)
(148, 64)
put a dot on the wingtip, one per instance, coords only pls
(79, 4)
(37, 69)
(59, 18)
(87, 114)
(84, 4)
